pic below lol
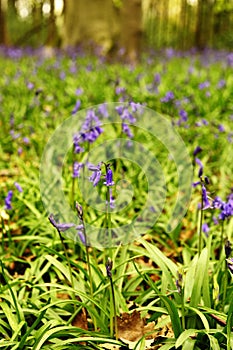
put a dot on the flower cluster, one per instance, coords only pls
(63, 227)
(90, 131)
(226, 208)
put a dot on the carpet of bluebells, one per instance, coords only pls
(164, 290)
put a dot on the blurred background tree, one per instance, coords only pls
(113, 25)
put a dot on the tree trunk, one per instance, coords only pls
(203, 24)
(52, 30)
(131, 29)
(89, 23)
(3, 35)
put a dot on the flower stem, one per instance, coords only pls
(200, 228)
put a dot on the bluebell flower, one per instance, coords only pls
(157, 78)
(96, 176)
(109, 181)
(76, 141)
(127, 116)
(168, 97)
(184, 115)
(119, 90)
(8, 199)
(204, 85)
(221, 128)
(221, 83)
(103, 110)
(77, 168)
(217, 203)
(206, 203)
(200, 172)
(76, 107)
(205, 228)
(60, 227)
(119, 109)
(126, 130)
(226, 211)
(79, 91)
(18, 187)
(80, 232)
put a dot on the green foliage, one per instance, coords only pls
(160, 275)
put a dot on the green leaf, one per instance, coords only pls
(173, 313)
(184, 336)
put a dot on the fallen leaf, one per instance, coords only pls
(80, 320)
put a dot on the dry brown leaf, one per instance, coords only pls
(130, 326)
(80, 320)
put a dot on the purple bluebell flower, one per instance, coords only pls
(26, 140)
(126, 130)
(204, 85)
(8, 199)
(81, 234)
(221, 83)
(77, 168)
(205, 228)
(18, 187)
(217, 203)
(221, 128)
(103, 110)
(134, 106)
(157, 78)
(205, 122)
(206, 203)
(119, 90)
(76, 141)
(169, 96)
(215, 220)
(62, 75)
(96, 176)
(30, 85)
(109, 181)
(200, 172)
(119, 109)
(79, 91)
(226, 211)
(197, 150)
(60, 227)
(183, 115)
(76, 107)
(195, 184)
(127, 116)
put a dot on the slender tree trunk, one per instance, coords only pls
(3, 34)
(131, 29)
(52, 30)
(90, 23)
(203, 24)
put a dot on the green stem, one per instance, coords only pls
(200, 228)
(89, 271)
(182, 309)
(114, 308)
(68, 261)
